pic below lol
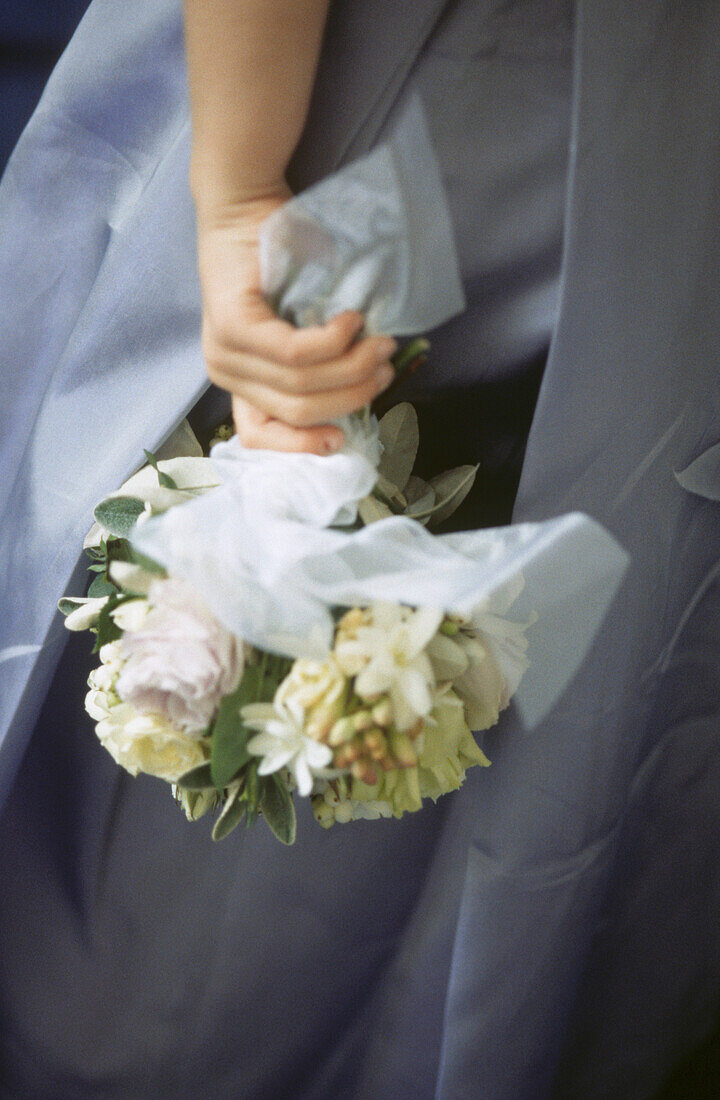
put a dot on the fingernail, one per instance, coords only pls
(330, 444)
(384, 377)
(386, 348)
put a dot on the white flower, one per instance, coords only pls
(181, 661)
(490, 682)
(386, 654)
(148, 743)
(283, 743)
(131, 615)
(138, 742)
(319, 687)
(86, 613)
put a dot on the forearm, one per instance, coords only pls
(251, 67)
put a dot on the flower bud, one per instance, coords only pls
(382, 714)
(365, 772)
(402, 750)
(324, 814)
(343, 730)
(375, 744)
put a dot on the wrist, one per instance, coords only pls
(220, 203)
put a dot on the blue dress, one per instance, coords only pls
(544, 930)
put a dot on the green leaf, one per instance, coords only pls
(101, 586)
(229, 733)
(451, 488)
(371, 509)
(231, 816)
(278, 809)
(164, 480)
(118, 515)
(197, 779)
(107, 629)
(68, 604)
(399, 435)
(422, 507)
(119, 550)
(415, 489)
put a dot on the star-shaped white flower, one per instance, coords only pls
(283, 743)
(388, 656)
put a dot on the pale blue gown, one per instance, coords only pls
(551, 929)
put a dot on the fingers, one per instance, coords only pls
(306, 410)
(356, 366)
(257, 430)
(264, 335)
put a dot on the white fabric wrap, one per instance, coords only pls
(260, 548)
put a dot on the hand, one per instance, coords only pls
(286, 383)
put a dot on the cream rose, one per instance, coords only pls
(148, 743)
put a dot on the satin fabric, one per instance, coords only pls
(551, 928)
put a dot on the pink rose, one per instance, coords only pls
(181, 661)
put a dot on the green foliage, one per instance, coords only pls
(399, 435)
(101, 586)
(230, 735)
(278, 809)
(107, 628)
(197, 779)
(164, 480)
(118, 515)
(232, 814)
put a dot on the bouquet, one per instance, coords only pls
(380, 722)
(280, 625)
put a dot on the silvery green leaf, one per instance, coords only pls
(231, 816)
(702, 476)
(416, 488)
(278, 809)
(388, 492)
(371, 509)
(197, 779)
(118, 515)
(68, 604)
(451, 488)
(422, 508)
(399, 435)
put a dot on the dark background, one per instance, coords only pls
(33, 34)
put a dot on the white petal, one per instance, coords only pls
(416, 690)
(303, 776)
(85, 615)
(257, 715)
(422, 627)
(447, 657)
(316, 754)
